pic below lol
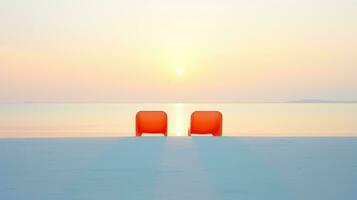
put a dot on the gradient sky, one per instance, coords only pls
(129, 51)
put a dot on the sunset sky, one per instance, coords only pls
(177, 51)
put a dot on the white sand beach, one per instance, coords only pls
(178, 168)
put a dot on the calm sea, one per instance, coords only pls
(102, 120)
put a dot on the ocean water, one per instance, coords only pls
(108, 120)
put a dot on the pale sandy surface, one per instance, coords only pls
(178, 168)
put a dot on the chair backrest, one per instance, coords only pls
(206, 122)
(151, 122)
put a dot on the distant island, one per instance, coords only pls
(319, 101)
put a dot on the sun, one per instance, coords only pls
(179, 71)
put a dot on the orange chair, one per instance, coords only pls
(153, 122)
(206, 122)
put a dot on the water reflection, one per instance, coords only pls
(179, 120)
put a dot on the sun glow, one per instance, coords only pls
(180, 71)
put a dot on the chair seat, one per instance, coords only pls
(151, 122)
(206, 122)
